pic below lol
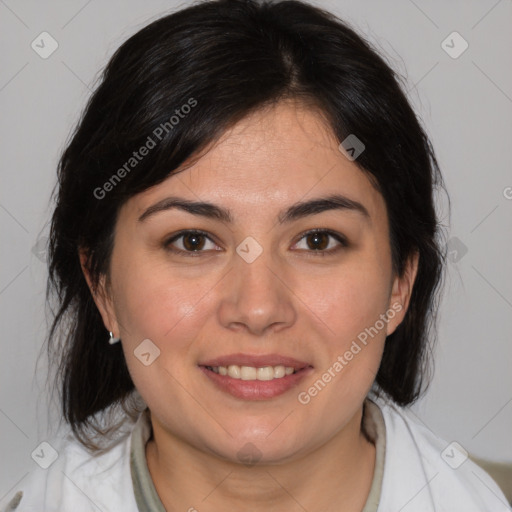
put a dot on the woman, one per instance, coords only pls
(246, 258)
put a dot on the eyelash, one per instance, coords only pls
(318, 252)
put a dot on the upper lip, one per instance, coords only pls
(256, 361)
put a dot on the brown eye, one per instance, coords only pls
(191, 243)
(317, 241)
(321, 242)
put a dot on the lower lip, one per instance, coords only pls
(256, 389)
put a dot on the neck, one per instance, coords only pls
(339, 471)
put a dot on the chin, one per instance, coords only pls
(252, 448)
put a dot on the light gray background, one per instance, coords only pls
(465, 104)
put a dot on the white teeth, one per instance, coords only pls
(248, 373)
(251, 373)
(266, 373)
(234, 371)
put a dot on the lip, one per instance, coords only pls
(257, 361)
(256, 389)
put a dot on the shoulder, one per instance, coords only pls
(66, 476)
(423, 472)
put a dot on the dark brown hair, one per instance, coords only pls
(231, 57)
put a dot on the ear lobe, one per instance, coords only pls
(100, 295)
(402, 290)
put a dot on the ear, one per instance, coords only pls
(401, 292)
(101, 296)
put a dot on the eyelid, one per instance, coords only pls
(341, 238)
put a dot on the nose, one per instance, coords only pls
(256, 297)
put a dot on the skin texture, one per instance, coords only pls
(292, 300)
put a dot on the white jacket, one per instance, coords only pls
(419, 476)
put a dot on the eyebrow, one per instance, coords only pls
(294, 212)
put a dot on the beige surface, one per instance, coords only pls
(500, 472)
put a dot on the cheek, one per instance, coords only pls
(350, 304)
(350, 300)
(155, 302)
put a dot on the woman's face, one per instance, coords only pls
(254, 289)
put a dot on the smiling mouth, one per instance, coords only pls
(255, 383)
(255, 376)
(264, 373)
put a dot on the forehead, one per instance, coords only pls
(271, 158)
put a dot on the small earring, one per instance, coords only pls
(113, 340)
